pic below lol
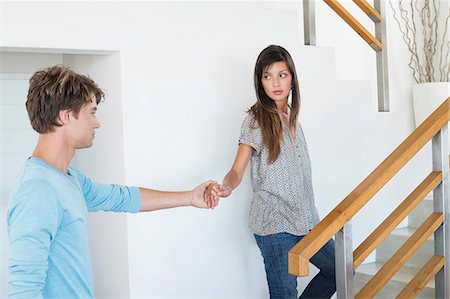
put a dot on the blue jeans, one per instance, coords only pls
(274, 249)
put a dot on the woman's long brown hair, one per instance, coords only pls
(264, 110)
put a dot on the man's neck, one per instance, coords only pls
(54, 151)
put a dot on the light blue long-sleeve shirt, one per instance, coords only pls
(49, 254)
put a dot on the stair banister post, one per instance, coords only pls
(441, 204)
(309, 22)
(382, 58)
(344, 262)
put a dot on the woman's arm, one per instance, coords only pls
(232, 179)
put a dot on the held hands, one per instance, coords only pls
(198, 195)
(207, 194)
(213, 192)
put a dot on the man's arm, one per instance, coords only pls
(33, 220)
(119, 198)
(156, 200)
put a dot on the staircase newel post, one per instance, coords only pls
(441, 204)
(382, 58)
(344, 262)
(309, 22)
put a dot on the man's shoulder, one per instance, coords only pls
(32, 195)
(34, 186)
(77, 175)
(35, 174)
(35, 179)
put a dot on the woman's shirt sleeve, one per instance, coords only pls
(251, 134)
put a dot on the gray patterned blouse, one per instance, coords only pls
(283, 199)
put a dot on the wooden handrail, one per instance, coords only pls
(400, 257)
(428, 271)
(394, 219)
(373, 14)
(350, 20)
(301, 253)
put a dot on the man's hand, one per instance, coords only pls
(198, 199)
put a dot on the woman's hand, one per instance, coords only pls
(222, 190)
(210, 197)
(213, 193)
(198, 196)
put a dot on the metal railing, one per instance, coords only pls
(378, 43)
(441, 204)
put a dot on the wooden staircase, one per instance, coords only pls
(394, 257)
(389, 246)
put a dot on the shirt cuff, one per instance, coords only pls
(136, 200)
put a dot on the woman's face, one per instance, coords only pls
(277, 81)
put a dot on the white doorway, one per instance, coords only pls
(107, 231)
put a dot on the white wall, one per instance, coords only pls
(186, 80)
(188, 103)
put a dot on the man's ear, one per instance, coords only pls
(64, 116)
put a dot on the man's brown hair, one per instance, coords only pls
(54, 89)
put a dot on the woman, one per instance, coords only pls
(282, 209)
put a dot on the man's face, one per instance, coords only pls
(82, 129)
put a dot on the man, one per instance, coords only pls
(49, 255)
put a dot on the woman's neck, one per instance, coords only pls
(282, 107)
(284, 116)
